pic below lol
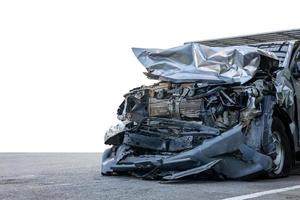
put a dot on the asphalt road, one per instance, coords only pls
(77, 176)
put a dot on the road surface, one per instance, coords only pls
(60, 176)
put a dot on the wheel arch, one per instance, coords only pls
(284, 117)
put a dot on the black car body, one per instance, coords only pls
(223, 108)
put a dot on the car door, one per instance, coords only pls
(295, 71)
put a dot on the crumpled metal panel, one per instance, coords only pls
(196, 62)
(284, 89)
(211, 154)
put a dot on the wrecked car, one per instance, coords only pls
(226, 108)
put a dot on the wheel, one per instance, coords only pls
(283, 159)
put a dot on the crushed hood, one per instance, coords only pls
(196, 62)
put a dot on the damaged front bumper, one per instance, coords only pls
(226, 154)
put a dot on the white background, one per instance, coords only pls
(64, 65)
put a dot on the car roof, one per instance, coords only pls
(281, 43)
(289, 35)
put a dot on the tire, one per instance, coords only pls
(283, 161)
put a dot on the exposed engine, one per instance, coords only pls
(210, 105)
(175, 117)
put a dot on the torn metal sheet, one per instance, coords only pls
(193, 171)
(284, 89)
(211, 114)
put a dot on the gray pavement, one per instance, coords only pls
(77, 176)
